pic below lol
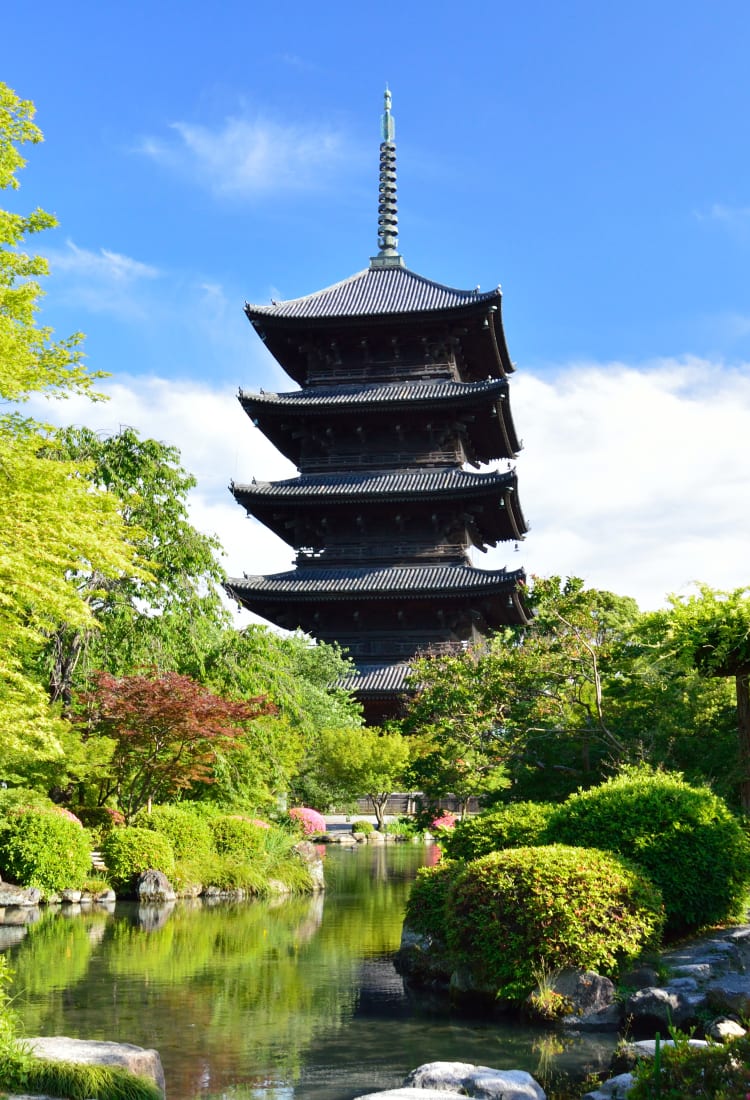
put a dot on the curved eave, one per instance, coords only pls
(395, 397)
(405, 582)
(375, 295)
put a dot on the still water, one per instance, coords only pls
(265, 1001)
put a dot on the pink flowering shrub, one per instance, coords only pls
(311, 821)
(447, 820)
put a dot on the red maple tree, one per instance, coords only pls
(167, 730)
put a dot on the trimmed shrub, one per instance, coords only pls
(310, 821)
(365, 827)
(683, 837)
(515, 913)
(425, 908)
(190, 835)
(129, 851)
(238, 836)
(45, 849)
(517, 825)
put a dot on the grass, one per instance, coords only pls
(73, 1080)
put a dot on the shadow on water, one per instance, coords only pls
(296, 997)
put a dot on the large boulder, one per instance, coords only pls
(154, 886)
(466, 1079)
(310, 856)
(18, 895)
(57, 1048)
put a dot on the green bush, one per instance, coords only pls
(683, 837)
(425, 908)
(129, 851)
(190, 834)
(517, 825)
(45, 849)
(235, 835)
(363, 827)
(515, 913)
(716, 1072)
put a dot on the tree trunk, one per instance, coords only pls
(379, 803)
(743, 732)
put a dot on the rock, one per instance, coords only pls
(16, 915)
(592, 1000)
(376, 838)
(311, 858)
(18, 895)
(629, 1054)
(655, 1008)
(150, 918)
(614, 1089)
(475, 1081)
(722, 1029)
(730, 995)
(154, 886)
(70, 897)
(421, 960)
(138, 1060)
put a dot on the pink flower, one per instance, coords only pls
(311, 821)
(446, 820)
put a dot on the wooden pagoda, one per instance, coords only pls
(403, 383)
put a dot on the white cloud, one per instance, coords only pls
(113, 267)
(102, 282)
(635, 479)
(250, 157)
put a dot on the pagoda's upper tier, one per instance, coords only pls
(377, 292)
(385, 303)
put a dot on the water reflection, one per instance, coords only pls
(253, 999)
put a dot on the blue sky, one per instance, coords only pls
(591, 158)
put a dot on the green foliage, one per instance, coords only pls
(13, 1056)
(189, 833)
(52, 523)
(237, 836)
(129, 851)
(365, 827)
(516, 825)
(426, 907)
(78, 1081)
(45, 849)
(363, 761)
(512, 913)
(716, 1072)
(683, 837)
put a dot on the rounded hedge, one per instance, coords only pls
(517, 825)
(515, 914)
(190, 835)
(683, 837)
(365, 827)
(235, 835)
(129, 851)
(46, 849)
(425, 907)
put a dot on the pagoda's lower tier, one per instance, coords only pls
(385, 616)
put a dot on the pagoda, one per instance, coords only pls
(403, 383)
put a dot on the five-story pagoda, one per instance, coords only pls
(403, 383)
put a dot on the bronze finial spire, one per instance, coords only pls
(388, 256)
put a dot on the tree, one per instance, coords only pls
(711, 630)
(166, 730)
(364, 761)
(169, 613)
(51, 522)
(530, 703)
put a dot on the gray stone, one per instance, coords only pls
(18, 895)
(614, 1089)
(146, 1063)
(723, 1029)
(70, 897)
(19, 914)
(310, 856)
(481, 1082)
(640, 978)
(730, 995)
(629, 1054)
(150, 918)
(655, 1007)
(154, 886)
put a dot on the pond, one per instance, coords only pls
(267, 1000)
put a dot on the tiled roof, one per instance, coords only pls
(405, 483)
(377, 678)
(368, 582)
(375, 291)
(325, 397)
